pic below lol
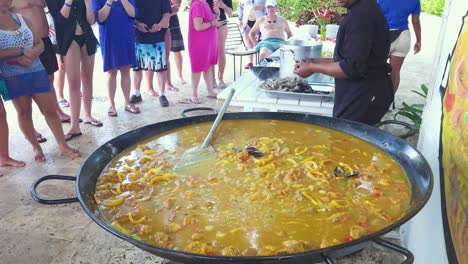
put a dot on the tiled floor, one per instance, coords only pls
(34, 233)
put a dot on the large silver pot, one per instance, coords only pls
(293, 51)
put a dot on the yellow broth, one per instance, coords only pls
(287, 201)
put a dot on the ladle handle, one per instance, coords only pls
(40, 200)
(218, 119)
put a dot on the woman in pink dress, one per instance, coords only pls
(202, 46)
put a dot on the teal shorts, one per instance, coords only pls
(3, 90)
(272, 44)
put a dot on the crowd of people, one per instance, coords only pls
(136, 38)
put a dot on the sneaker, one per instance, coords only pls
(163, 101)
(134, 99)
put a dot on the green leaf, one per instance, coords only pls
(424, 89)
(419, 93)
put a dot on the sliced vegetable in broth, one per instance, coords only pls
(272, 190)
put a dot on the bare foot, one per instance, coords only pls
(39, 155)
(64, 117)
(9, 162)
(71, 152)
(172, 88)
(182, 81)
(153, 93)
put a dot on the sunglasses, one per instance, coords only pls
(272, 21)
(20, 34)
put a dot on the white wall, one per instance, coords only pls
(423, 235)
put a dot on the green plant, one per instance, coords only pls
(434, 7)
(413, 112)
(235, 4)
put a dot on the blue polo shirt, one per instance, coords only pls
(397, 12)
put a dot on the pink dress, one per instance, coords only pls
(202, 45)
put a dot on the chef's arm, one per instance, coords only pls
(307, 68)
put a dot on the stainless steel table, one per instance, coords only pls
(252, 98)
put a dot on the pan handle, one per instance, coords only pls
(327, 259)
(386, 244)
(412, 129)
(184, 113)
(40, 200)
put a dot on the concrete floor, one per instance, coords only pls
(34, 233)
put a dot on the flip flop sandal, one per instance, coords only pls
(111, 112)
(131, 108)
(173, 88)
(215, 96)
(190, 100)
(68, 120)
(40, 138)
(71, 136)
(95, 123)
(64, 103)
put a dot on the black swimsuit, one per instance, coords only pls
(80, 39)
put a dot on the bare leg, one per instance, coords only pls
(53, 121)
(161, 78)
(87, 68)
(264, 52)
(125, 83)
(111, 87)
(137, 77)
(178, 62)
(222, 35)
(60, 78)
(72, 64)
(24, 109)
(249, 45)
(149, 75)
(207, 76)
(5, 159)
(169, 85)
(396, 63)
(195, 81)
(212, 75)
(62, 115)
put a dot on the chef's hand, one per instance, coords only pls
(304, 69)
(417, 47)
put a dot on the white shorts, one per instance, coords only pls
(402, 45)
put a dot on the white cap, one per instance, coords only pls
(270, 3)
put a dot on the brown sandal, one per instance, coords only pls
(131, 108)
(112, 112)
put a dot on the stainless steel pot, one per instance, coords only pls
(293, 51)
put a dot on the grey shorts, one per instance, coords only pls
(151, 57)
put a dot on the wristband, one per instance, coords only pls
(109, 5)
(67, 4)
(211, 23)
(21, 51)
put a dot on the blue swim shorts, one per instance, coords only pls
(151, 57)
(272, 44)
